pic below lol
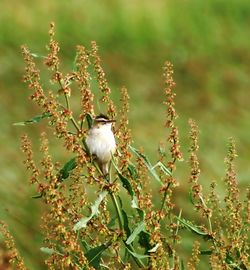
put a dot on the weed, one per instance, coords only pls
(110, 229)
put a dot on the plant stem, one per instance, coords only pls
(121, 222)
(118, 210)
(166, 190)
(209, 219)
(68, 106)
(71, 118)
(165, 197)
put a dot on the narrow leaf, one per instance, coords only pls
(163, 168)
(147, 163)
(134, 204)
(126, 184)
(192, 227)
(94, 255)
(112, 222)
(136, 255)
(140, 227)
(125, 223)
(114, 164)
(85, 245)
(206, 252)
(144, 241)
(35, 55)
(182, 267)
(132, 170)
(38, 196)
(82, 223)
(191, 198)
(69, 166)
(47, 250)
(86, 147)
(154, 249)
(89, 120)
(33, 120)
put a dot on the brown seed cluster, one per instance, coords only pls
(197, 194)
(13, 255)
(173, 139)
(171, 114)
(71, 191)
(83, 80)
(236, 230)
(29, 162)
(123, 132)
(52, 60)
(103, 84)
(194, 260)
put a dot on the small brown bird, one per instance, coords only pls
(101, 141)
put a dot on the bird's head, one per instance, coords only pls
(102, 120)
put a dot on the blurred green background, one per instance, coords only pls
(208, 43)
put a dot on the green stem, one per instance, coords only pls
(137, 260)
(166, 190)
(68, 107)
(75, 124)
(209, 219)
(178, 224)
(71, 118)
(165, 197)
(118, 210)
(121, 222)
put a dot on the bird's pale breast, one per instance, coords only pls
(101, 142)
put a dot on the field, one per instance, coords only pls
(206, 41)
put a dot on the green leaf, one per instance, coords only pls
(154, 249)
(126, 184)
(140, 227)
(82, 223)
(163, 168)
(132, 170)
(69, 166)
(112, 222)
(125, 223)
(147, 163)
(33, 120)
(86, 148)
(136, 255)
(229, 259)
(144, 241)
(182, 267)
(162, 150)
(206, 252)
(38, 196)
(89, 120)
(85, 245)
(47, 250)
(94, 255)
(114, 164)
(35, 55)
(134, 204)
(192, 227)
(191, 198)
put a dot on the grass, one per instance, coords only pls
(211, 59)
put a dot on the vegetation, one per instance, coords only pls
(128, 219)
(208, 44)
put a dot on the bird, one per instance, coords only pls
(101, 142)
